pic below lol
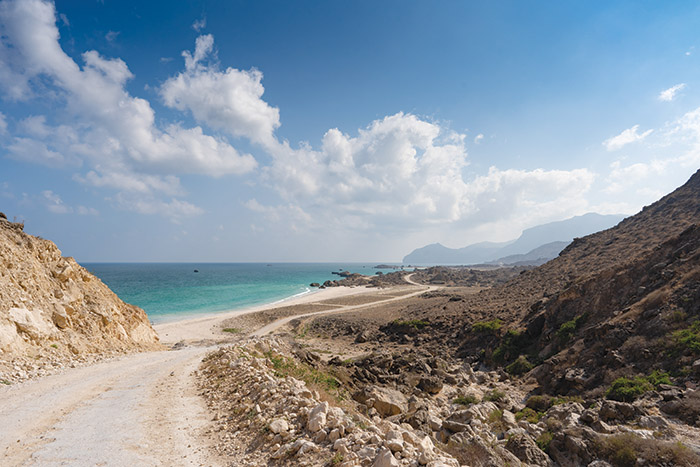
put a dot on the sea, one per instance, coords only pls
(172, 291)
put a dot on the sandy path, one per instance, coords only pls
(272, 327)
(125, 412)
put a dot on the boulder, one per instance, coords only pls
(386, 402)
(618, 411)
(279, 426)
(385, 459)
(430, 384)
(527, 451)
(317, 417)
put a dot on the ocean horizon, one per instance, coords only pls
(172, 291)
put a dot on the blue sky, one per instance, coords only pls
(336, 131)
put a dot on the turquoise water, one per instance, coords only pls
(169, 291)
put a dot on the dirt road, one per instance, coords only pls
(272, 327)
(139, 410)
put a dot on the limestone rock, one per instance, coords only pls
(385, 459)
(279, 426)
(47, 300)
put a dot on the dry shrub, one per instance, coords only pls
(627, 449)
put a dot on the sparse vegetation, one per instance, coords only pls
(568, 329)
(496, 420)
(4, 381)
(232, 330)
(494, 396)
(337, 459)
(413, 323)
(627, 390)
(466, 400)
(687, 339)
(544, 440)
(528, 415)
(627, 449)
(519, 366)
(488, 327)
(285, 366)
(512, 345)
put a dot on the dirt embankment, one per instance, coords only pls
(55, 313)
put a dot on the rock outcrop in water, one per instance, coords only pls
(53, 311)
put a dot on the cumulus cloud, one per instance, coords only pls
(478, 138)
(628, 136)
(228, 100)
(105, 127)
(669, 94)
(403, 172)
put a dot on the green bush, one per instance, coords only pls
(413, 323)
(512, 345)
(627, 390)
(488, 327)
(569, 328)
(543, 441)
(494, 396)
(529, 415)
(466, 400)
(539, 403)
(657, 378)
(519, 366)
(688, 339)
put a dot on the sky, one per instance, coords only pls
(260, 131)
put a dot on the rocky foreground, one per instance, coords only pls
(275, 406)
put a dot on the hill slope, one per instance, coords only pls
(52, 310)
(623, 301)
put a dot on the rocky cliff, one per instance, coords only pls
(53, 311)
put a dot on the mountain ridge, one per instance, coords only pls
(530, 239)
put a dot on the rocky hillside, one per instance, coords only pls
(621, 302)
(52, 311)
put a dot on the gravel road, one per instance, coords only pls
(138, 410)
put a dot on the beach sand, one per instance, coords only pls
(208, 327)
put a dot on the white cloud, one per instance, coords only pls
(55, 204)
(628, 136)
(3, 124)
(478, 138)
(200, 24)
(37, 152)
(669, 94)
(174, 209)
(103, 125)
(402, 172)
(229, 100)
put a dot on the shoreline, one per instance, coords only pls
(203, 327)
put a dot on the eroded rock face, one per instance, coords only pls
(52, 307)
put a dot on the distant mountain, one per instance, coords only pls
(539, 255)
(530, 240)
